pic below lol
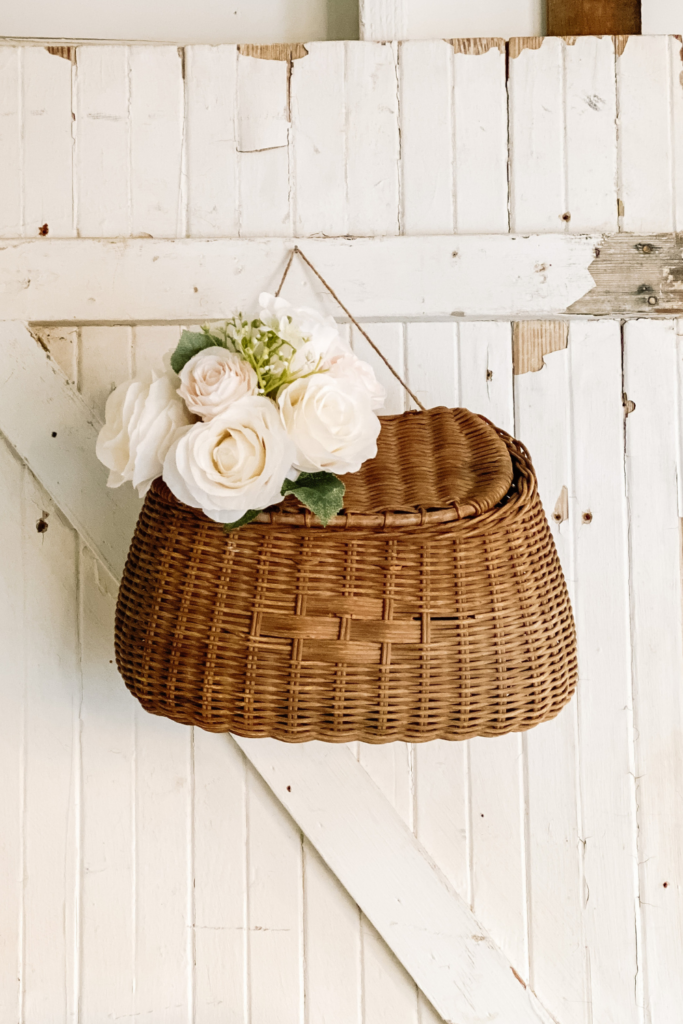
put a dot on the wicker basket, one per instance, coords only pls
(435, 607)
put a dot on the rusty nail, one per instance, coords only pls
(646, 247)
(652, 300)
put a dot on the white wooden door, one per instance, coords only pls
(148, 869)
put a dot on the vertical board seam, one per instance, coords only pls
(640, 980)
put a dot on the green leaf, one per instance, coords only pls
(246, 518)
(192, 342)
(323, 493)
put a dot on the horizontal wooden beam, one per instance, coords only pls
(352, 825)
(594, 18)
(138, 280)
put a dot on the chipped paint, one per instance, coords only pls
(561, 510)
(476, 47)
(519, 43)
(620, 44)
(273, 51)
(67, 52)
(534, 339)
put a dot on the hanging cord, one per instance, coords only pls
(296, 251)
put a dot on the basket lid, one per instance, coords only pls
(437, 459)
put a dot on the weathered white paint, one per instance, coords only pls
(108, 768)
(382, 19)
(371, 851)
(653, 468)
(63, 436)
(132, 279)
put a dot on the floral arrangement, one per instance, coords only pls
(245, 412)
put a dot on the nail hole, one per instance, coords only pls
(566, 216)
(195, 289)
(489, 374)
(557, 517)
(54, 433)
(587, 517)
(482, 815)
(289, 789)
(666, 885)
(43, 230)
(41, 526)
(454, 254)
(596, 252)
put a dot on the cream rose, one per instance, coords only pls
(235, 462)
(347, 365)
(213, 379)
(142, 419)
(331, 422)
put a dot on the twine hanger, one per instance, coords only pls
(296, 251)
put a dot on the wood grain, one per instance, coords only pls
(534, 339)
(593, 17)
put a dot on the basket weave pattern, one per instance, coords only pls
(445, 627)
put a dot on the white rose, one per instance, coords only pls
(297, 325)
(142, 419)
(213, 379)
(347, 365)
(331, 422)
(232, 463)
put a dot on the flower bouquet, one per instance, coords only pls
(246, 412)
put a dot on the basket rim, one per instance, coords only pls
(523, 481)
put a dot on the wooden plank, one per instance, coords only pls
(426, 71)
(47, 143)
(675, 72)
(104, 518)
(11, 212)
(495, 770)
(146, 280)
(275, 910)
(381, 864)
(263, 146)
(555, 860)
(644, 86)
(591, 127)
(102, 126)
(318, 140)
(593, 17)
(372, 139)
(105, 362)
(51, 767)
(12, 723)
(598, 522)
(538, 199)
(480, 139)
(108, 753)
(382, 19)
(212, 195)
(332, 941)
(163, 870)
(156, 139)
(220, 921)
(651, 363)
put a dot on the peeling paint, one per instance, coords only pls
(273, 51)
(519, 43)
(620, 44)
(67, 52)
(561, 510)
(534, 339)
(476, 47)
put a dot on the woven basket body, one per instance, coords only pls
(445, 621)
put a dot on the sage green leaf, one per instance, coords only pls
(192, 342)
(322, 493)
(246, 518)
